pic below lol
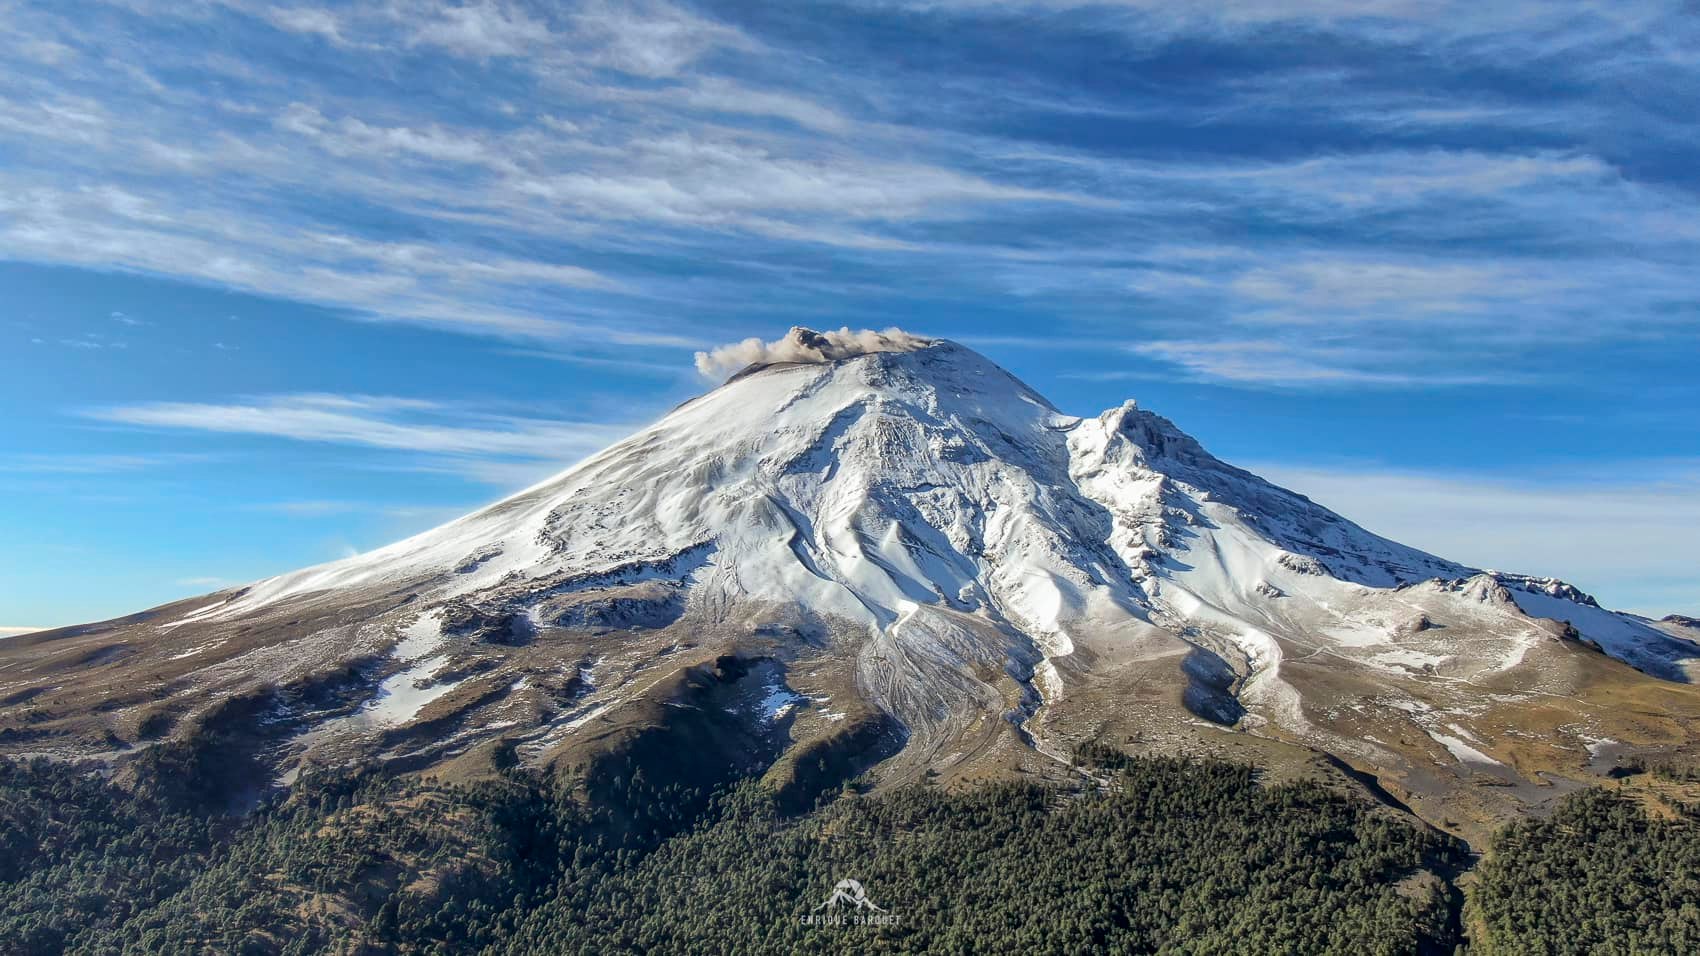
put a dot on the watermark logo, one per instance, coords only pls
(849, 893)
(848, 905)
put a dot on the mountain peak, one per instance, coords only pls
(805, 346)
(1154, 438)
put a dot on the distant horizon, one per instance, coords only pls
(285, 283)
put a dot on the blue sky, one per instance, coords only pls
(279, 281)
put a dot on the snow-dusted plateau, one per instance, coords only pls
(892, 556)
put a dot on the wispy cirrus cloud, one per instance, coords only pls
(480, 29)
(203, 582)
(1302, 364)
(373, 421)
(338, 508)
(350, 136)
(1403, 288)
(583, 192)
(649, 38)
(1523, 23)
(467, 440)
(307, 509)
(91, 464)
(309, 21)
(637, 174)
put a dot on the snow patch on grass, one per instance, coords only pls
(403, 695)
(1461, 750)
(421, 637)
(779, 700)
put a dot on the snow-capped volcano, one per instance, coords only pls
(861, 485)
(906, 532)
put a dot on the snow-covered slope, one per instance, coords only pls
(931, 530)
(891, 484)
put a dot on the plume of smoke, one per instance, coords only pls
(806, 345)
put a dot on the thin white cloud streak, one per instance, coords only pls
(18, 631)
(720, 182)
(1274, 363)
(329, 508)
(507, 475)
(308, 509)
(1318, 318)
(438, 284)
(440, 261)
(481, 29)
(1616, 537)
(1408, 288)
(1445, 25)
(92, 464)
(642, 37)
(722, 96)
(203, 582)
(645, 38)
(1341, 188)
(307, 20)
(1394, 178)
(389, 423)
(649, 38)
(631, 366)
(352, 137)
